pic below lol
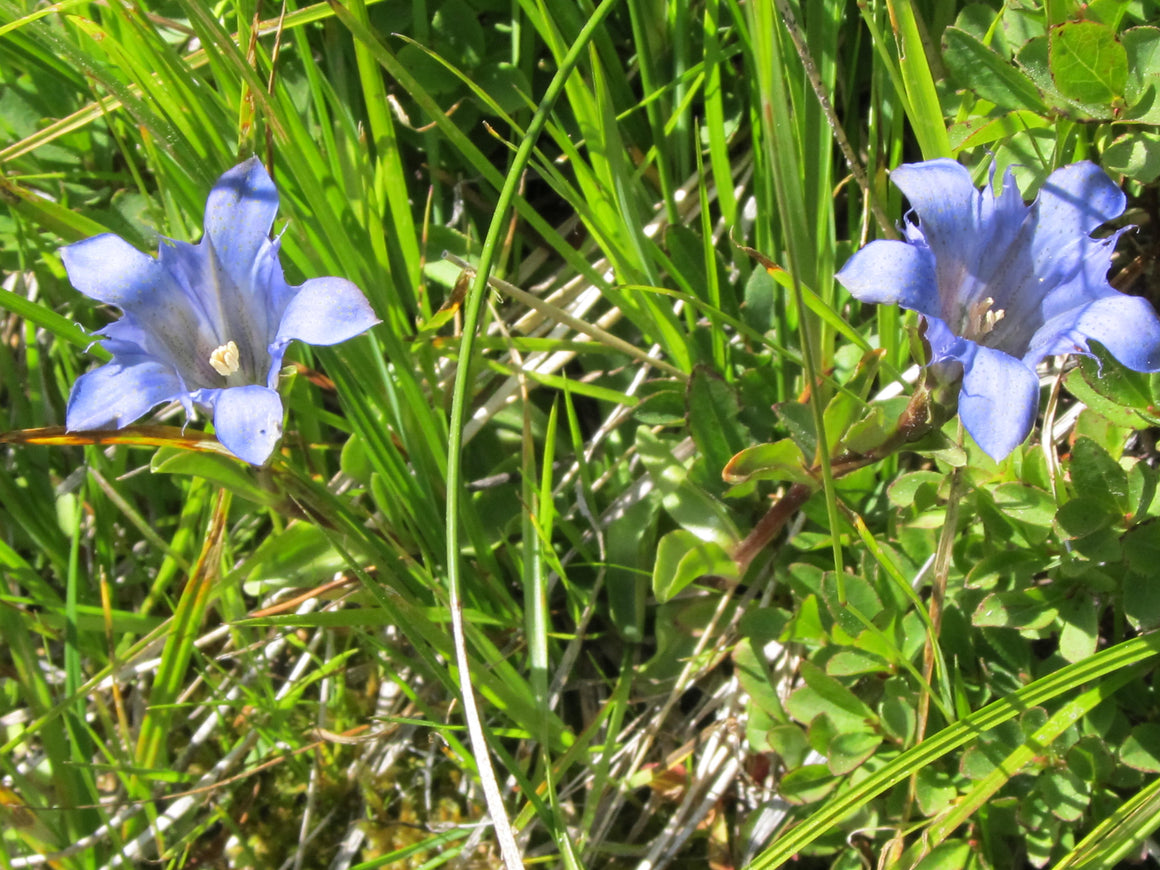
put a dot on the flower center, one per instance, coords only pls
(979, 319)
(225, 360)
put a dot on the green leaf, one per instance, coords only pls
(1042, 831)
(823, 695)
(354, 461)
(866, 370)
(1141, 601)
(1142, 485)
(757, 311)
(1109, 12)
(1032, 721)
(806, 578)
(662, 403)
(806, 624)
(1034, 59)
(1090, 760)
(1087, 63)
(686, 250)
(853, 663)
(990, 76)
(861, 599)
(1142, 548)
(763, 624)
(1025, 504)
(934, 790)
(690, 506)
(799, 421)
(302, 555)
(1115, 381)
(807, 784)
(1018, 565)
(1097, 476)
(1000, 33)
(432, 76)
(1142, 92)
(1025, 609)
(789, 741)
(1135, 154)
(712, 409)
(939, 447)
(1141, 751)
(840, 413)
(878, 425)
(754, 678)
(221, 470)
(1064, 792)
(915, 487)
(1085, 515)
(781, 460)
(986, 130)
(682, 557)
(1120, 415)
(1080, 634)
(458, 33)
(1101, 430)
(845, 408)
(850, 749)
(506, 84)
(631, 552)
(897, 710)
(951, 855)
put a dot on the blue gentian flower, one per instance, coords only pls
(206, 325)
(1002, 285)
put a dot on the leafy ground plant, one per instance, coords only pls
(600, 519)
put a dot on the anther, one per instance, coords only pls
(225, 360)
(981, 318)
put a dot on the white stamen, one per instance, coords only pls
(981, 318)
(225, 360)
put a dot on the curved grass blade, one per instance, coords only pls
(1066, 679)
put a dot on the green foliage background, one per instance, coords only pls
(697, 633)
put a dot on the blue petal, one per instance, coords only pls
(1128, 327)
(223, 311)
(325, 311)
(248, 421)
(944, 344)
(946, 201)
(238, 216)
(192, 271)
(972, 234)
(890, 272)
(935, 187)
(999, 400)
(121, 391)
(1073, 201)
(161, 314)
(269, 276)
(1087, 282)
(110, 270)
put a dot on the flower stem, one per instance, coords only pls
(770, 525)
(938, 592)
